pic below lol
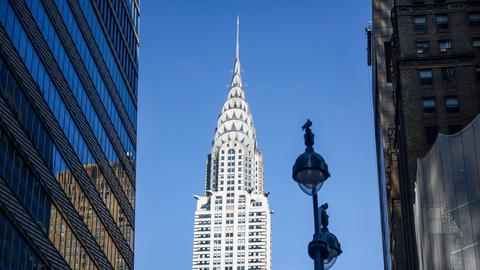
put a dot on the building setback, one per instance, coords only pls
(68, 105)
(232, 219)
(426, 73)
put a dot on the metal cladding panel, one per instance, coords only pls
(447, 206)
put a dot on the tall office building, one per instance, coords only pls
(232, 219)
(68, 105)
(425, 57)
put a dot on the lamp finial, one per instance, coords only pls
(309, 136)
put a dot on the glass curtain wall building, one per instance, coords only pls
(447, 204)
(68, 105)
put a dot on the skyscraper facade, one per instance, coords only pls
(68, 104)
(426, 76)
(232, 219)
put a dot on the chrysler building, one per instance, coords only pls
(232, 218)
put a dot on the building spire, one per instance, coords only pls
(237, 80)
(238, 38)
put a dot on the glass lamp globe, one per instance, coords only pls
(334, 249)
(310, 171)
(327, 264)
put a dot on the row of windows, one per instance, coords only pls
(420, 22)
(91, 67)
(230, 268)
(444, 48)
(33, 126)
(240, 254)
(120, 47)
(52, 97)
(222, 157)
(110, 61)
(30, 192)
(231, 151)
(451, 105)
(448, 75)
(231, 163)
(423, 47)
(229, 261)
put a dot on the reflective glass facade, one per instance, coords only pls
(447, 204)
(68, 104)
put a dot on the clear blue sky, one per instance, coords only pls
(300, 59)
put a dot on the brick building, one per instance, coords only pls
(426, 74)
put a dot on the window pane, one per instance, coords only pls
(420, 22)
(429, 105)
(449, 75)
(451, 101)
(474, 19)
(427, 102)
(423, 48)
(441, 21)
(426, 76)
(426, 73)
(451, 104)
(445, 47)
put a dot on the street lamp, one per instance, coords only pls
(310, 172)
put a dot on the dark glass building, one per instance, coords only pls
(68, 105)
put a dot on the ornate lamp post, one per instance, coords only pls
(310, 172)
